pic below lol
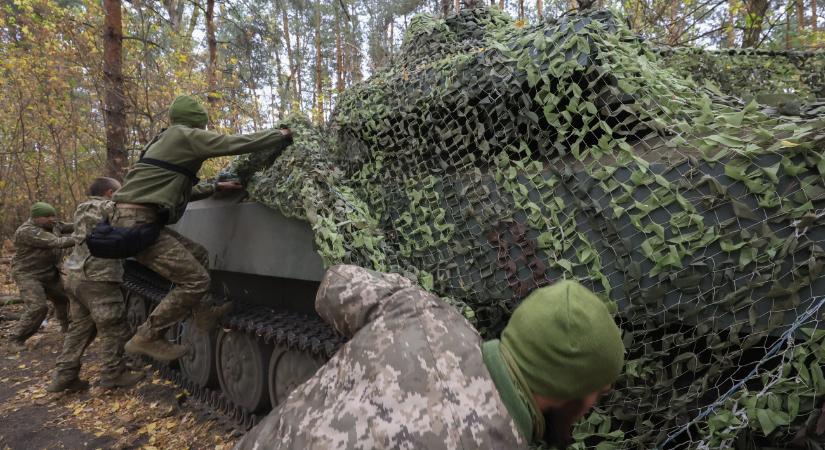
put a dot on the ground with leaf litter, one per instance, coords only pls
(155, 414)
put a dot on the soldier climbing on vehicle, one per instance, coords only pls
(96, 303)
(416, 374)
(156, 191)
(35, 270)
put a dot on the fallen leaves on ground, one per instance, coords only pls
(153, 415)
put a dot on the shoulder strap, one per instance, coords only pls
(172, 168)
(193, 177)
(154, 139)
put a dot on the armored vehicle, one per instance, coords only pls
(491, 158)
(274, 340)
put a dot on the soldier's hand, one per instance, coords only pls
(287, 132)
(228, 186)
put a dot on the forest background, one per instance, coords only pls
(85, 84)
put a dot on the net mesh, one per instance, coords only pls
(490, 159)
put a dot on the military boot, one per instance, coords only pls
(73, 384)
(205, 317)
(126, 379)
(156, 348)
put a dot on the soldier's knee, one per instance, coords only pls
(201, 255)
(198, 283)
(82, 326)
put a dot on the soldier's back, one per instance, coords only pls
(412, 377)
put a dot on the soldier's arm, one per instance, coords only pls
(43, 239)
(201, 191)
(206, 144)
(350, 297)
(204, 190)
(64, 227)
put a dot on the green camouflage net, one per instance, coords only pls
(768, 76)
(491, 159)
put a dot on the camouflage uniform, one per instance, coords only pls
(35, 270)
(97, 305)
(411, 376)
(165, 194)
(176, 258)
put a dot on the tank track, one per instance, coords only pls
(293, 331)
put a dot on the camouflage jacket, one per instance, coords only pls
(411, 376)
(37, 251)
(80, 263)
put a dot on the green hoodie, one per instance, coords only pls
(188, 147)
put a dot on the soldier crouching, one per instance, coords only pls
(415, 374)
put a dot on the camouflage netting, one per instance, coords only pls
(768, 76)
(490, 159)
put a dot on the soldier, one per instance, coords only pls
(415, 374)
(96, 302)
(157, 190)
(35, 270)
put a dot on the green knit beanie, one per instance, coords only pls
(186, 110)
(564, 341)
(41, 209)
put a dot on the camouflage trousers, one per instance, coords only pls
(97, 309)
(179, 260)
(36, 292)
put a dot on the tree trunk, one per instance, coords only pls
(212, 44)
(814, 16)
(520, 9)
(788, 26)
(675, 25)
(319, 69)
(292, 83)
(755, 11)
(539, 7)
(730, 30)
(114, 115)
(800, 15)
(175, 10)
(356, 56)
(445, 7)
(501, 5)
(193, 21)
(339, 57)
(457, 5)
(298, 72)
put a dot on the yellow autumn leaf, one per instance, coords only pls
(787, 143)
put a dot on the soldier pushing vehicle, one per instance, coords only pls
(416, 374)
(96, 303)
(155, 193)
(35, 270)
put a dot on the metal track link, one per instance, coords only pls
(293, 331)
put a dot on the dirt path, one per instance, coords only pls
(153, 415)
